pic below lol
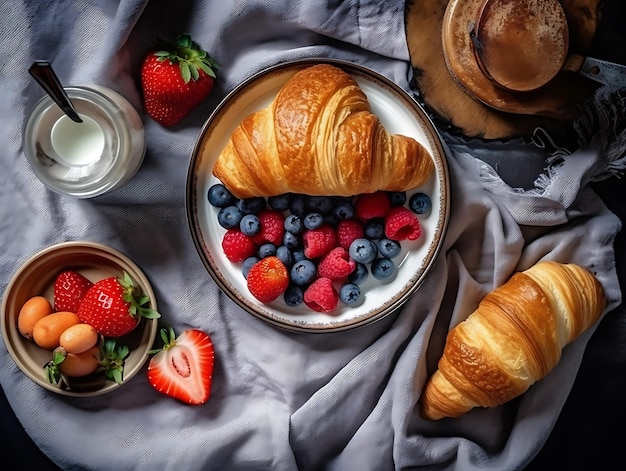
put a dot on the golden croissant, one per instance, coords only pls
(513, 339)
(319, 137)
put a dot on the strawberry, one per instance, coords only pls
(69, 289)
(114, 306)
(183, 367)
(267, 279)
(176, 79)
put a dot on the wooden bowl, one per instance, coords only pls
(36, 277)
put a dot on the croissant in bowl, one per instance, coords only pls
(319, 137)
(513, 339)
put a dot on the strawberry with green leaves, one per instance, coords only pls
(176, 79)
(183, 367)
(114, 306)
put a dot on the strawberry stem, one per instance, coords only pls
(190, 57)
(169, 340)
(112, 359)
(136, 299)
(53, 372)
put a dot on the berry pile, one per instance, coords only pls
(316, 250)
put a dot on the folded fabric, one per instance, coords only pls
(281, 400)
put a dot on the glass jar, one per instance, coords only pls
(90, 158)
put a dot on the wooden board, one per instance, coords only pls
(456, 104)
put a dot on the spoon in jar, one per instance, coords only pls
(44, 74)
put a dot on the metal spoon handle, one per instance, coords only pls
(43, 73)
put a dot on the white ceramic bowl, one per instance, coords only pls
(36, 277)
(400, 114)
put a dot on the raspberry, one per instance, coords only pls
(348, 230)
(272, 228)
(321, 296)
(267, 279)
(401, 224)
(318, 242)
(237, 246)
(336, 265)
(372, 205)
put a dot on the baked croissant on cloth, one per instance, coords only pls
(513, 339)
(319, 137)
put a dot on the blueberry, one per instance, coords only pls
(359, 275)
(375, 228)
(397, 198)
(291, 241)
(250, 224)
(350, 293)
(420, 203)
(279, 202)
(294, 224)
(319, 204)
(229, 217)
(362, 250)
(285, 255)
(298, 255)
(331, 219)
(383, 268)
(293, 296)
(247, 264)
(313, 220)
(344, 210)
(388, 248)
(252, 205)
(266, 250)
(303, 272)
(220, 197)
(296, 205)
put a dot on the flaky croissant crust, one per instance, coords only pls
(513, 339)
(319, 137)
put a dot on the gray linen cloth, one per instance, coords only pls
(285, 401)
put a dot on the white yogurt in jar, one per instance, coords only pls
(77, 143)
(90, 158)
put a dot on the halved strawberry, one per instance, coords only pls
(183, 367)
(114, 306)
(69, 289)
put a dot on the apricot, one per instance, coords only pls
(32, 311)
(78, 338)
(47, 330)
(81, 364)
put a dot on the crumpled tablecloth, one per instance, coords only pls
(286, 401)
